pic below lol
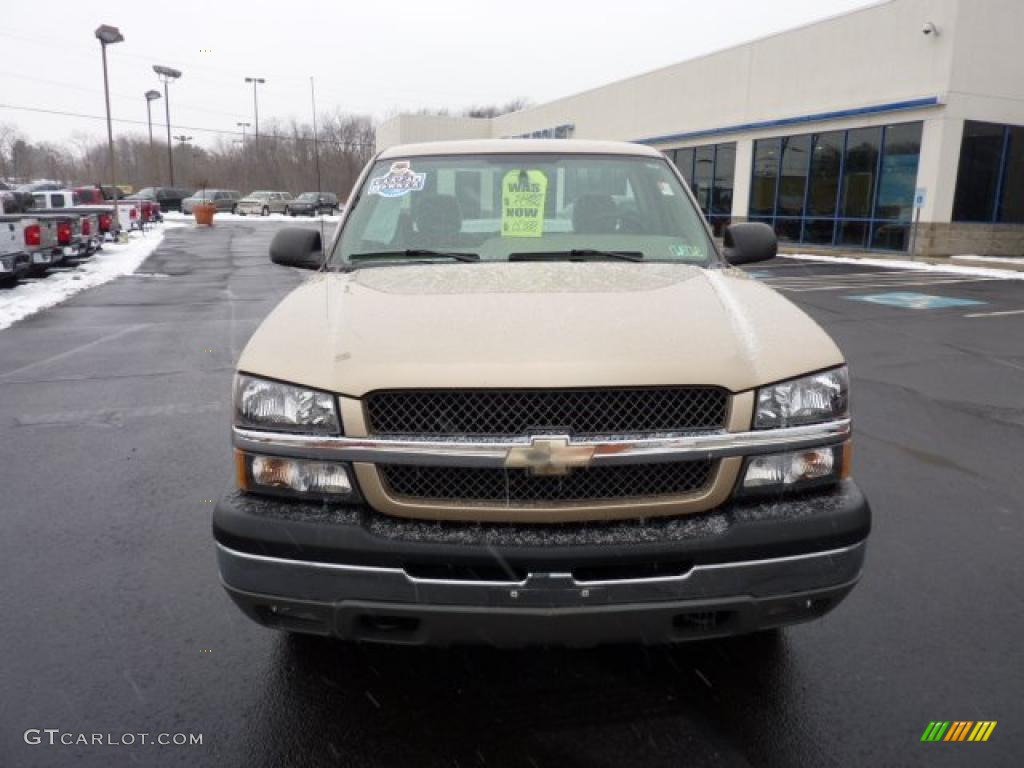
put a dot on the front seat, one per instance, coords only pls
(438, 219)
(595, 215)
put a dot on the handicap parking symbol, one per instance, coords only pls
(911, 300)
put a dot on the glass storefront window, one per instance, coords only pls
(978, 175)
(703, 174)
(725, 171)
(684, 162)
(900, 156)
(819, 231)
(862, 147)
(826, 166)
(766, 174)
(710, 172)
(796, 158)
(1011, 208)
(845, 188)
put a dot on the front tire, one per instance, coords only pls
(265, 211)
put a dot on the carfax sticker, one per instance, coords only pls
(687, 252)
(523, 194)
(398, 181)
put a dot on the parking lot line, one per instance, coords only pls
(997, 314)
(830, 285)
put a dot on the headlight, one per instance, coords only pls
(807, 400)
(271, 405)
(798, 470)
(293, 477)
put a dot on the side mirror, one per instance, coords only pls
(297, 247)
(750, 242)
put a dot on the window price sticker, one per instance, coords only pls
(523, 194)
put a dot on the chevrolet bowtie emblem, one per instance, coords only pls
(549, 456)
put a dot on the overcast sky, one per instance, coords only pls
(376, 58)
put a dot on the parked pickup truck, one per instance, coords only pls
(558, 415)
(106, 221)
(70, 242)
(14, 259)
(38, 236)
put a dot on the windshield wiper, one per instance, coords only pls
(576, 254)
(415, 253)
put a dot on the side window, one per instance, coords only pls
(57, 201)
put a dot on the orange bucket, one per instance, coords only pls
(204, 214)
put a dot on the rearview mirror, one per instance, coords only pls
(297, 247)
(750, 242)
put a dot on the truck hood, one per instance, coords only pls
(535, 325)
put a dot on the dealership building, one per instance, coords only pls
(840, 134)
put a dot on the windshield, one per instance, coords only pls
(307, 196)
(260, 195)
(514, 205)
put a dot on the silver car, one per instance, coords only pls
(264, 203)
(224, 199)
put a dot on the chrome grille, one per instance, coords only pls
(476, 484)
(523, 411)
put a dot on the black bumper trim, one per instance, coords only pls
(357, 535)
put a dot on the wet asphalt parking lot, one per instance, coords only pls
(114, 440)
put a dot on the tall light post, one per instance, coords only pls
(166, 74)
(243, 126)
(151, 96)
(108, 35)
(255, 104)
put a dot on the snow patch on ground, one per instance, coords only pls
(1007, 259)
(188, 218)
(115, 260)
(920, 266)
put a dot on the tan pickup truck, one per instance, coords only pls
(526, 399)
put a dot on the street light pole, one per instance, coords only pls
(255, 104)
(108, 35)
(243, 126)
(166, 74)
(151, 96)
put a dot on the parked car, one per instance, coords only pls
(42, 185)
(94, 194)
(264, 203)
(313, 203)
(14, 259)
(13, 201)
(224, 199)
(89, 196)
(149, 208)
(169, 197)
(638, 443)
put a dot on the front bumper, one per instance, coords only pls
(349, 572)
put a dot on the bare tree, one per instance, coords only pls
(284, 159)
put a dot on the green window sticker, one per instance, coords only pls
(523, 195)
(687, 252)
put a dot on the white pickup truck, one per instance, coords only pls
(14, 261)
(38, 238)
(129, 212)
